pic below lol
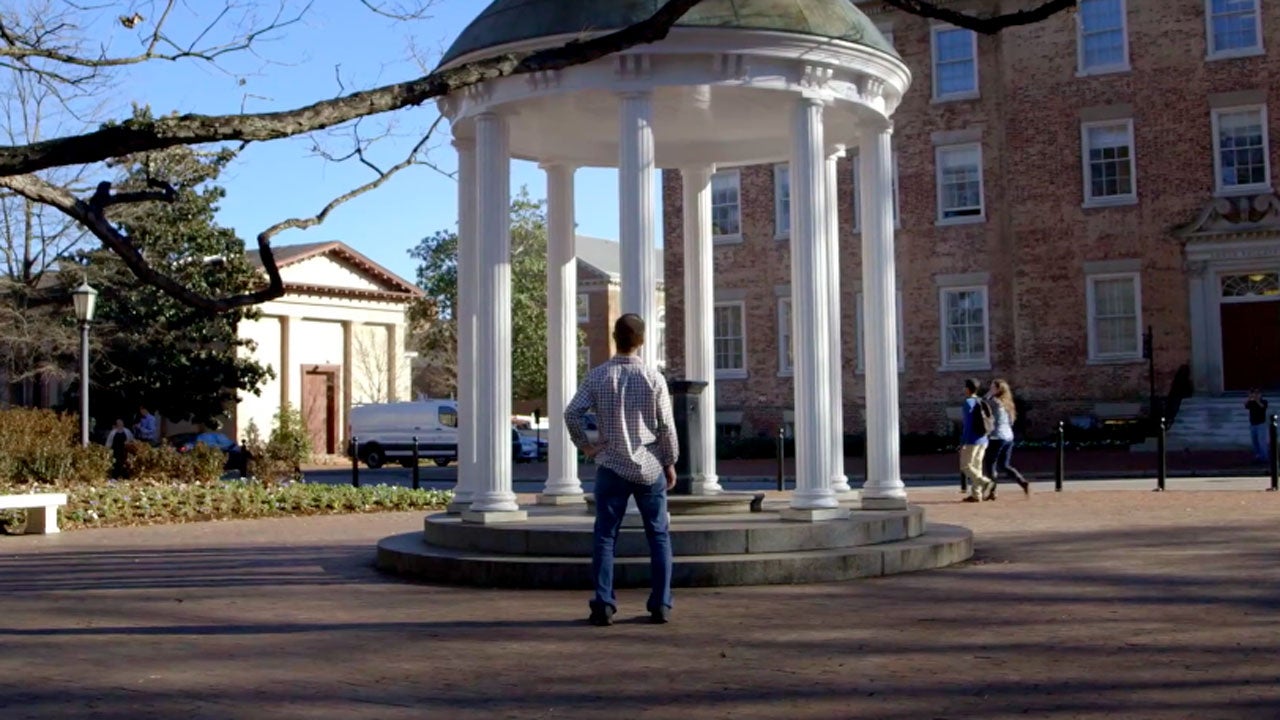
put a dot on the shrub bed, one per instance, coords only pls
(140, 502)
(42, 446)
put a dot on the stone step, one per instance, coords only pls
(409, 555)
(570, 535)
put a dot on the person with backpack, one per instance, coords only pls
(1000, 450)
(977, 422)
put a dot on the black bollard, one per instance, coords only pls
(1060, 472)
(355, 461)
(782, 456)
(417, 478)
(1162, 461)
(1272, 447)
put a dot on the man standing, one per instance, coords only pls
(1257, 407)
(636, 451)
(973, 443)
(148, 428)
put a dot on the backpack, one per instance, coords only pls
(988, 415)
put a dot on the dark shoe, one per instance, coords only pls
(991, 494)
(602, 616)
(661, 616)
(971, 498)
(1026, 486)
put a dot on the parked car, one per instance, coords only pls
(523, 449)
(237, 456)
(385, 432)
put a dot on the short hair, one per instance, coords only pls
(972, 385)
(628, 332)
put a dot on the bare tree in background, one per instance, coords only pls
(63, 51)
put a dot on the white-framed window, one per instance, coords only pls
(584, 307)
(1234, 27)
(726, 206)
(786, 358)
(860, 330)
(857, 193)
(1103, 38)
(965, 332)
(782, 200)
(730, 340)
(955, 63)
(1241, 149)
(960, 190)
(1110, 170)
(1115, 317)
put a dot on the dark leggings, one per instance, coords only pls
(999, 454)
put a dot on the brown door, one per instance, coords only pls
(319, 408)
(1251, 346)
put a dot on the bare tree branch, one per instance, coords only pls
(987, 25)
(132, 136)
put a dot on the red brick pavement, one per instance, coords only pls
(1078, 606)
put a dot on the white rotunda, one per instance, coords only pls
(735, 82)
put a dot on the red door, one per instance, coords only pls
(1251, 346)
(319, 408)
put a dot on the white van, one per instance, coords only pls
(386, 431)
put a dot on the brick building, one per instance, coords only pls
(1060, 187)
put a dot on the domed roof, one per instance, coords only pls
(508, 21)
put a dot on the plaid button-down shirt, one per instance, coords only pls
(633, 414)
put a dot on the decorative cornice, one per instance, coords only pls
(1240, 215)
(634, 66)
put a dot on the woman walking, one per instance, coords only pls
(1001, 450)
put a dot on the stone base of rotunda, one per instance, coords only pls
(551, 548)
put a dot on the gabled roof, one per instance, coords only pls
(602, 259)
(287, 255)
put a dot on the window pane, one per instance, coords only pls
(1102, 33)
(955, 70)
(961, 182)
(784, 335)
(728, 337)
(783, 205)
(1235, 25)
(966, 326)
(1115, 316)
(1110, 161)
(725, 204)
(1241, 148)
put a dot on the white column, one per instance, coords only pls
(839, 482)
(492, 499)
(635, 209)
(468, 264)
(883, 489)
(395, 354)
(563, 485)
(813, 498)
(699, 307)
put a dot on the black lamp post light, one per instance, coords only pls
(86, 301)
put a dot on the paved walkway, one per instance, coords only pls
(1078, 605)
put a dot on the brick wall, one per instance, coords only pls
(1037, 237)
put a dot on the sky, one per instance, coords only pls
(338, 43)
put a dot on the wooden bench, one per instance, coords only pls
(42, 510)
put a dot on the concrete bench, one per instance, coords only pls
(42, 510)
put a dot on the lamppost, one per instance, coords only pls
(85, 298)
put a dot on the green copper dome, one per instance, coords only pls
(508, 21)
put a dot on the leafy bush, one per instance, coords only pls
(134, 502)
(158, 464)
(280, 458)
(42, 446)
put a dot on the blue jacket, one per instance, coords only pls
(972, 432)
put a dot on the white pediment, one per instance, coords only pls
(1245, 214)
(330, 272)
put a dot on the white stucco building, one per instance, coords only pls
(335, 339)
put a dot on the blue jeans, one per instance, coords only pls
(612, 492)
(1261, 436)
